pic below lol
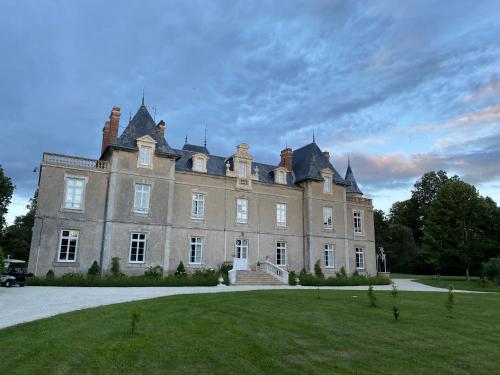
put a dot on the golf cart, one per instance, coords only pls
(13, 274)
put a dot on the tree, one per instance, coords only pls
(6, 190)
(452, 229)
(406, 213)
(381, 224)
(16, 239)
(401, 250)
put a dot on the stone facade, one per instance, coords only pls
(101, 215)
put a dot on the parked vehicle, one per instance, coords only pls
(13, 274)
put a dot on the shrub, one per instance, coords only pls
(291, 278)
(2, 264)
(50, 274)
(115, 267)
(394, 290)
(317, 269)
(491, 269)
(355, 274)
(395, 312)
(155, 272)
(306, 279)
(371, 296)
(342, 272)
(450, 302)
(94, 270)
(181, 271)
(136, 315)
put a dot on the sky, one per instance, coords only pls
(402, 87)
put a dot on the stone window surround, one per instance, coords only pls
(142, 181)
(199, 156)
(285, 248)
(145, 141)
(326, 227)
(277, 172)
(356, 248)
(248, 210)
(362, 218)
(146, 243)
(85, 179)
(189, 237)
(75, 262)
(329, 247)
(204, 194)
(327, 174)
(278, 224)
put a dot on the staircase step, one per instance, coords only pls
(255, 278)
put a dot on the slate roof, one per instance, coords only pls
(349, 177)
(143, 124)
(308, 161)
(195, 148)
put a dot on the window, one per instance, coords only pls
(68, 245)
(145, 156)
(360, 258)
(281, 214)
(74, 193)
(281, 253)
(199, 165)
(326, 185)
(141, 198)
(137, 247)
(242, 211)
(328, 217)
(329, 256)
(281, 177)
(198, 206)
(195, 250)
(358, 222)
(242, 170)
(241, 249)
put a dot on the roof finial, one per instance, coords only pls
(205, 143)
(130, 116)
(186, 140)
(314, 138)
(348, 160)
(143, 96)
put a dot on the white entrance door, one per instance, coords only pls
(240, 261)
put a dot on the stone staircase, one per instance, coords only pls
(256, 278)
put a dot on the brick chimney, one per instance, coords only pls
(326, 155)
(286, 159)
(110, 130)
(161, 127)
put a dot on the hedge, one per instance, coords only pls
(311, 280)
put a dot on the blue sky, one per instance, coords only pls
(404, 87)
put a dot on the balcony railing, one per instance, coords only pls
(75, 162)
(360, 200)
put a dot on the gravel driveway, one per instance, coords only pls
(18, 305)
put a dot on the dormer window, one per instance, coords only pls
(327, 185)
(145, 156)
(242, 170)
(200, 163)
(280, 175)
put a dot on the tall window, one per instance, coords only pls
(242, 170)
(327, 186)
(199, 164)
(241, 249)
(281, 177)
(141, 198)
(68, 245)
(242, 210)
(328, 217)
(358, 222)
(281, 214)
(74, 193)
(360, 258)
(145, 156)
(329, 256)
(198, 206)
(137, 247)
(281, 253)
(196, 249)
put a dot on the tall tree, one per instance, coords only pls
(400, 249)
(452, 231)
(6, 190)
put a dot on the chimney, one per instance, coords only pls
(326, 155)
(286, 159)
(110, 130)
(161, 127)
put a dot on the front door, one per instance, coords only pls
(240, 261)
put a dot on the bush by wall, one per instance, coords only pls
(312, 280)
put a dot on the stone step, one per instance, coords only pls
(255, 278)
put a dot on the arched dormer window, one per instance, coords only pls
(280, 175)
(200, 163)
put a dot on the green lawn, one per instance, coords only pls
(458, 282)
(274, 332)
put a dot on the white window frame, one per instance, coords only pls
(70, 237)
(241, 247)
(145, 156)
(281, 214)
(242, 169)
(360, 258)
(195, 255)
(281, 177)
(327, 184)
(281, 253)
(358, 229)
(142, 238)
(71, 191)
(329, 250)
(197, 206)
(328, 211)
(199, 165)
(242, 215)
(142, 198)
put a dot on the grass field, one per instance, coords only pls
(272, 332)
(458, 282)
